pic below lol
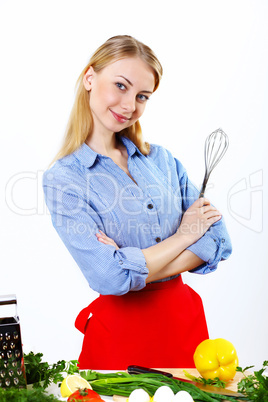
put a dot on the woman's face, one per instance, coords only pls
(118, 93)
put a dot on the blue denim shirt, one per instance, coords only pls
(86, 191)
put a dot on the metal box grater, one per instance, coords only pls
(12, 372)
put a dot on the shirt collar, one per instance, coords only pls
(130, 146)
(87, 156)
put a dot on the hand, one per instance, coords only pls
(198, 219)
(103, 238)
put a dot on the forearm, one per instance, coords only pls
(195, 222)
(162, 254)
(159, 257)
(186, 261)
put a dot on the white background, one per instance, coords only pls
(215, 59)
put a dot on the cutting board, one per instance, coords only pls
(232, 385)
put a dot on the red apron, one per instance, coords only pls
(158, 326)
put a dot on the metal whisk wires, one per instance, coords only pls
(215, 147)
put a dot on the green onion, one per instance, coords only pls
(122, 383)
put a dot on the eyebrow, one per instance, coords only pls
(130, 83)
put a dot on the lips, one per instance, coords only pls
(119, 117)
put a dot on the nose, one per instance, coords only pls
(129, 103)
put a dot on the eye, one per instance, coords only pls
(120, 86)
(142, 98)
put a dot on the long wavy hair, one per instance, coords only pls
(80, 124)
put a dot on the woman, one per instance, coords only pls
(131, 219)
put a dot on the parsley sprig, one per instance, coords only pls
(254, 386)
(41, 374)
(216, 381)
(26, 395)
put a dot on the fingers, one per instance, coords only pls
(198, 219)
(209, 210)
(215, 219)
(204, 207)
(200, 202)
(103, 238)
(212, 218)
(209, 215)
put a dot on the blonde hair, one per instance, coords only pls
(80, 122)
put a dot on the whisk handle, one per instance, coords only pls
(202, 192)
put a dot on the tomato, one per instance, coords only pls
(96, 400)
(86, 395)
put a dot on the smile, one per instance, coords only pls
(119, 117)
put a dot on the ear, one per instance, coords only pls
(87, 80)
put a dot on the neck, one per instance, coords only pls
(102, 144)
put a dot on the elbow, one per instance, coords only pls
(114, 276)
(227, 249)
(112, 290)
(222, 238)
(115, 285)
(118, 284)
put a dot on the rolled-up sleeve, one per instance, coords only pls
(215, 245)
(107, 270)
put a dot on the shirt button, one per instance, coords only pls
(121, 262)
(150, 206)
(158, 239)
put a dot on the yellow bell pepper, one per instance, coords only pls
(216, 358)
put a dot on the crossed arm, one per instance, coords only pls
(170, 257)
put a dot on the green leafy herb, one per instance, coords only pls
(254, 386)
(71, 367)
(41, 374)
(38, 371)
(24, 395)
(216, 381)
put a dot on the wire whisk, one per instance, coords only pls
(215, 147)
